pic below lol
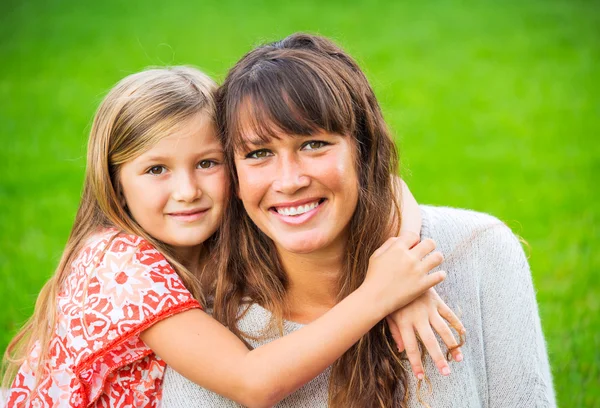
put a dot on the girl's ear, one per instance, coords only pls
(120, 195)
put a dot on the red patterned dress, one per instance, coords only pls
(119, 285)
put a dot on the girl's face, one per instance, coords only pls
(176, 190)
(300, 191)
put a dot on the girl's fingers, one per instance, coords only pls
(433, 279)
(433, 347)
(395, 333)
(412, 350)
(432, 260)
(457, 354)
(449, 315)
(410, 239)
(441, 327)
(384, 247)
(423, 248)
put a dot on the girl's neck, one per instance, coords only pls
(190, 257)
(313, 283)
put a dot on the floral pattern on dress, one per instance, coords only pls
(119, 286)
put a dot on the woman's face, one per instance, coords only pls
(300, 191)
(176, 190)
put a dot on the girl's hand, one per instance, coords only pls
(399, 271)
(424, 313)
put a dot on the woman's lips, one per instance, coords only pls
(298, 212)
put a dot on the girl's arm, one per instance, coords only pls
(411, 213)
(425, 313)
(205, 352)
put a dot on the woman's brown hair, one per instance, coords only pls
(302, 85)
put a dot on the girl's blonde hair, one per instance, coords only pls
(139, 111)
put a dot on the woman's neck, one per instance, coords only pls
(313, 283)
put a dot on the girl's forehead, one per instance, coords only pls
(200, 126)
(193, 136)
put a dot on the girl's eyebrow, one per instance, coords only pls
(155, 159)
(214, 150)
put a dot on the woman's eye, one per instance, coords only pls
(156, 170)
(314, 144)
(206, 164)
(258, 154)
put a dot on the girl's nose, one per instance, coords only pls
(186, 188)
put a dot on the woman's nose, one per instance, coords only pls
(290, 176)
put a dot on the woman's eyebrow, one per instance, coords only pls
(256, 142)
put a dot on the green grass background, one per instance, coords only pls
(496, 106)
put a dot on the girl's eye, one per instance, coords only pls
(206, 164)
(314, 145)
(156, 170)
(259, 154)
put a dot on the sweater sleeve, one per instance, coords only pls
(516, 360)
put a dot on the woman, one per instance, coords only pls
(312, 161)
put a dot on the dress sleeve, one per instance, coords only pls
(127, 289)
(515, 351)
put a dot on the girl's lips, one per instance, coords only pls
(299, 219)
(188, 216)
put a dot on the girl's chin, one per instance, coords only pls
(188, 240)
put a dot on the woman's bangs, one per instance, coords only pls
(283, 97)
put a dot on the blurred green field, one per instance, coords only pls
(496, 106)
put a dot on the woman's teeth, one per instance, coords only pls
(299, 210)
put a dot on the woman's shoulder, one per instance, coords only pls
(458, 219)
(465, 234)
(455, 225)
(474, 241)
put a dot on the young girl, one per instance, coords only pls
(125, 300)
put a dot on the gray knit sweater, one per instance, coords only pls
(489, 286)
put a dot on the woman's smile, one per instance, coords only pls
(301, 191)
(298, 212)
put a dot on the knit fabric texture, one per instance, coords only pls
(488, 286)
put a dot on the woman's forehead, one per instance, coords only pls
(254, 123)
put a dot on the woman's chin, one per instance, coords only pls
(304, 246)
